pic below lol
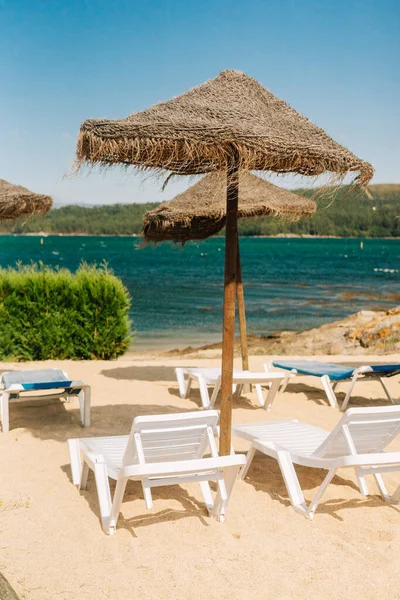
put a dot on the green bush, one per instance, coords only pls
(55, 314)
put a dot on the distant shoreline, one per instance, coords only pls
(137, 235)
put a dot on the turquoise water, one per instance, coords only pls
(290, 284)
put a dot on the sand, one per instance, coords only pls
(52, 544)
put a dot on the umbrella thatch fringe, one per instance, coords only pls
(230, 117)
(183, 157)
(16, 200)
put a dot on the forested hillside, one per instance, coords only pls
(348, 213)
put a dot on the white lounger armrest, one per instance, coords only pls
(381, 458)
(184, 467)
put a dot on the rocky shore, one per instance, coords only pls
(365, 332)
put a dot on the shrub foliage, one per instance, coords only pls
(56, 314)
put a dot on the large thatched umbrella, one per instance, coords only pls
(229, 123)
(200, 212)
(16, 200)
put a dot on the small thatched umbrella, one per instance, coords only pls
(16, 200)
(229, 123)
(200, 212)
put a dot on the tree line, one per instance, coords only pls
(344, 212)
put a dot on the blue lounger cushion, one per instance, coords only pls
(387, 370)
(335, 372)
(44, 379)
(317, 368)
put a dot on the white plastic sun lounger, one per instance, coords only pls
(331, 375)
(160, 450)
(358, 441)
(212, 377)
(15, 383)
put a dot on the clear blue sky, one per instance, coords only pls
(335, 61)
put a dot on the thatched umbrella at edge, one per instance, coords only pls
(16, 200)
(229, 123)
(200, 212)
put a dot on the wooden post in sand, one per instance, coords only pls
(241, 311)
(228, 333)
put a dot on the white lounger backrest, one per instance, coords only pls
(362, 431)
(182, 436)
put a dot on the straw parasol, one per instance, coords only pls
(16, 200)
(201, 130)
(200, 212)
(229, 123)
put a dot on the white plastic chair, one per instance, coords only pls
(358, 441)
(211, 377)
(160, 450)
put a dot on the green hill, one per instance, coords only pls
(346, 212)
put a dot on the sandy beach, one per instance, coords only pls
(53, 545)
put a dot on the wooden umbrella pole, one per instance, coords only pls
(241, 311)
(228, 333)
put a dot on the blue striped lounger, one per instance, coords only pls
(331, 374)
(14, 383)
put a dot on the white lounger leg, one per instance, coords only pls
(260, 395)
(389, 397)
(362, 483)
(181, 382)
(215, 393)
(84, 476)
(382, 487)
(349, 392)
(294, 489)
(4, 411)
(292, 483)
(249, 458)
(274, 389)
(268, 368)
(81, 398)
(314, 502)
(326, 382)
(206, 491)
(110, 527)
(148, 498)
(103, 492)
(86, 406)
(205, 397)
(225, 486)
(353, 450)
(76, 461)
(286, 381)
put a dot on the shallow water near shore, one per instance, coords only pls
(177, 294)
